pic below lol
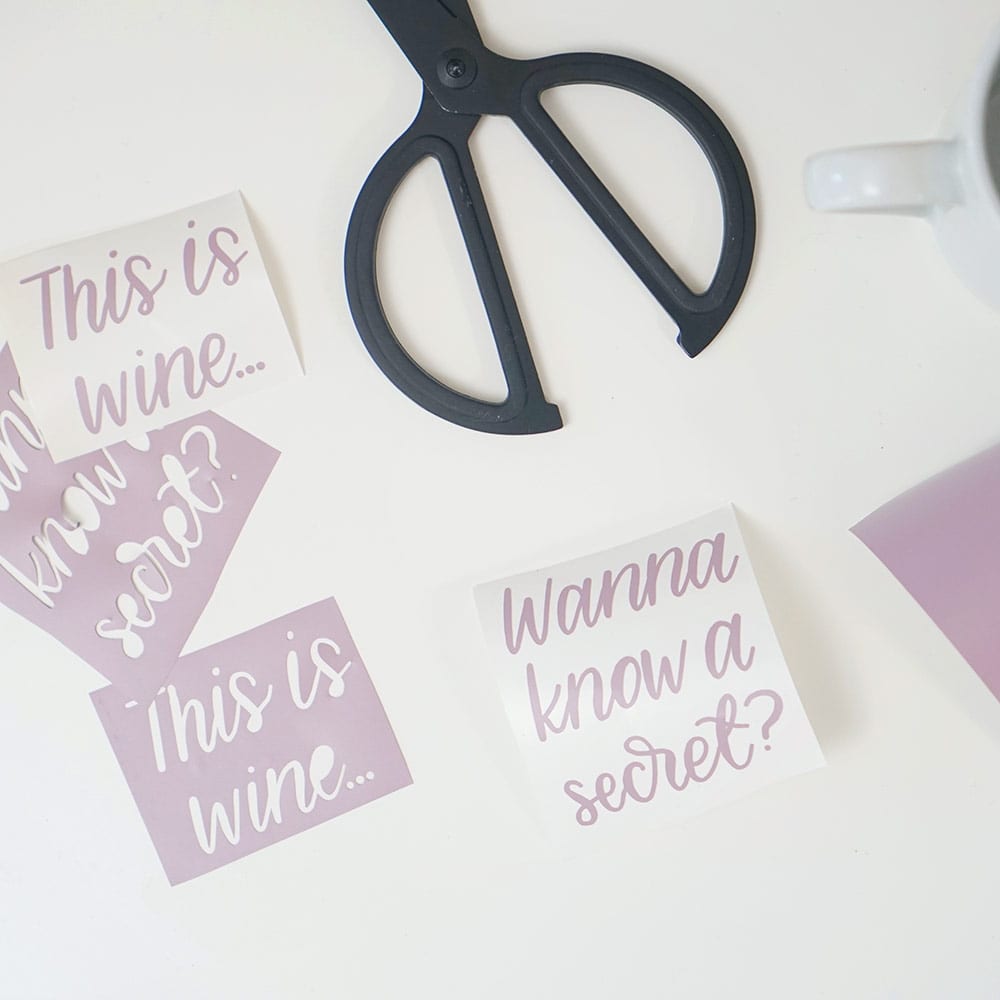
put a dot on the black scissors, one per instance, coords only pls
(464, 80)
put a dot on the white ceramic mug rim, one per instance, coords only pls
(989, 72)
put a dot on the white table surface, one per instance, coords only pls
(855, 366)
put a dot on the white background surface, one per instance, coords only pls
(855, 366)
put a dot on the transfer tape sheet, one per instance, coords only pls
(645, 683)
(135, 328)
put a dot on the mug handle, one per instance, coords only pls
(909, 178)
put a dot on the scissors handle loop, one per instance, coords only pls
(699, 316)
(445, 138)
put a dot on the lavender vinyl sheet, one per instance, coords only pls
(941, 540)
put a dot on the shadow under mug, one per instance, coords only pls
(953, 182)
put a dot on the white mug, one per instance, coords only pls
(953, 182)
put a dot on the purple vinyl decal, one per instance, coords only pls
(645, 683)
(116, 553)
(941, 540)
(254, 739)
(130, 330)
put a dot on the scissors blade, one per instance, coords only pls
(424, 29)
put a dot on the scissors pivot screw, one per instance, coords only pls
(456, 69)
